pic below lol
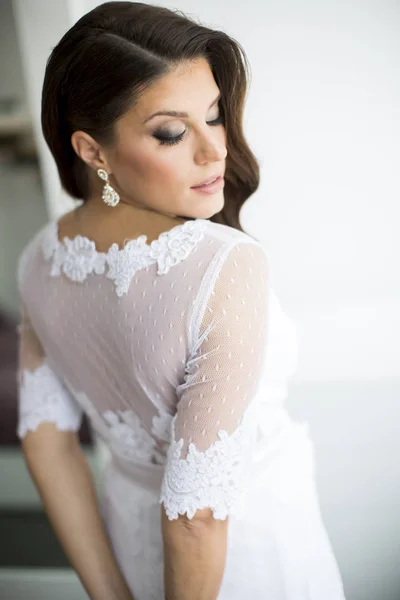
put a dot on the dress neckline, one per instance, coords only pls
(78, 257)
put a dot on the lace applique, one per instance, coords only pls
(124, 432)
(175, 245)
(78, 257)
(42, 398)
(124, 263)
(210, 479)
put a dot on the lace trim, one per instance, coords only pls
(77, 258)
(42, 398)
(212, 479)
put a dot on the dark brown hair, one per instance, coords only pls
(113, 53)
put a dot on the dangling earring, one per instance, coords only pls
(110, 196)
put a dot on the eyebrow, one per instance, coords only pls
(174, 113)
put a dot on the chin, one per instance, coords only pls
(213, 208)
(204, 209)
(218, 206)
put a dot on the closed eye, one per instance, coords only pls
(170, 141)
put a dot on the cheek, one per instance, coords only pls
(154, 167)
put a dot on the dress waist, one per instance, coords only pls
(281, 439)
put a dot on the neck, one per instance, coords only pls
(93, 209)
(106, 224)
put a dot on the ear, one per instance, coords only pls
(89, 150)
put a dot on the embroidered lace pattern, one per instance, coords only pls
(213, 478)
(42, 398)
(77, 258)
(123, 430)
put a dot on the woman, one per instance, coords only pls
(151, 310)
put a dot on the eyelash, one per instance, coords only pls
(164, 141)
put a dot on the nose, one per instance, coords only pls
(212, 147)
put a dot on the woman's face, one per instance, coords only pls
(149, 173)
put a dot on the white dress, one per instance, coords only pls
(180, 354)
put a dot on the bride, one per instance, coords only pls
(150, 310)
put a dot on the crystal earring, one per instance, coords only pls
(110, 196)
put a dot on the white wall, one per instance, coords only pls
(323, 118)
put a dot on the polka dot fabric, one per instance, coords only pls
(224, 372)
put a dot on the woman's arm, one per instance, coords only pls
(214, 431)
(194, 556)
(62, 476)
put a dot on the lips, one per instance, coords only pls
(209, 180)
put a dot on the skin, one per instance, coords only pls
(154, 183)
(153, 180)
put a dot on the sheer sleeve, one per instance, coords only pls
(42, 395)
(214, 429)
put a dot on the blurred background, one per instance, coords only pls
(323, 118)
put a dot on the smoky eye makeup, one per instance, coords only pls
(166, 138)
